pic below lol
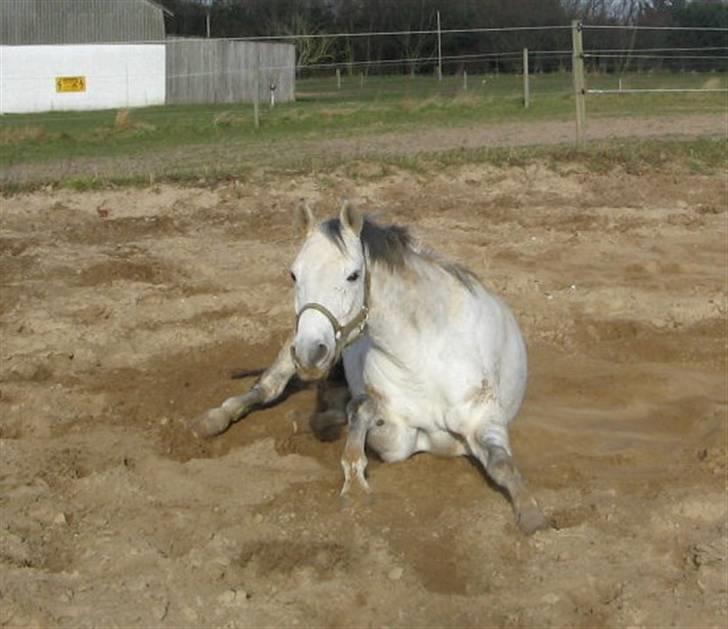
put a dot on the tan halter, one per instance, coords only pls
(342, 333)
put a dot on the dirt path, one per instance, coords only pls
(123, 311)
(236, 157)
(531, 134)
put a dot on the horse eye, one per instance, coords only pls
(293, 277)
(353, 277)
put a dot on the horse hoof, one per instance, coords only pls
(531, 519)
(328, 425)
(211, 423)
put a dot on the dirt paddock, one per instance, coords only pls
(123, 312)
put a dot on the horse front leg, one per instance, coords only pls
(268, 388)
(361, 413)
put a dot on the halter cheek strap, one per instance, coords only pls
(342, 333)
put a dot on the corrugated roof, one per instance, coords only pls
(47, 22)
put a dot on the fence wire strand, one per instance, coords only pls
(637, 27)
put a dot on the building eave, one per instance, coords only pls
(161, 7)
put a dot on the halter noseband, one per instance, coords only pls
(341, 332)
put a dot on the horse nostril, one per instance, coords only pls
(318, 354)
(310, 355)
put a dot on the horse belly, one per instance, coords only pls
(392, 440)
(395, 439)
(403, 420)
(441, 443)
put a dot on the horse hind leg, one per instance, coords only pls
(498, 464)
(501, 469)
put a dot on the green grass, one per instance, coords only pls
(701, 156)
(383, 88)
(381, 106)
(390, 103)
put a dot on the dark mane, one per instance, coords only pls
(389, 245)
(383, 244)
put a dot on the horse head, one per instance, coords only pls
(331, 281)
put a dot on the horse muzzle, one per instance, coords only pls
(313, 362)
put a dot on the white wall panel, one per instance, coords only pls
(120, 75)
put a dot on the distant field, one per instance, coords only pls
(324, 112)
(378, 88)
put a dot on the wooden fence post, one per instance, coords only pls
(338, 78)
(577, 69)
(465, 80)
(526, 85)
(256, 90)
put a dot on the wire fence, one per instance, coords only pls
(687, 77)
(520, 71)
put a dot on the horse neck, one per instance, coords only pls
(407, 300)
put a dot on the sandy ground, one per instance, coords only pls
(123, 311)
(234, 156)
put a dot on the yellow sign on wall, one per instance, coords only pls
(70, 84)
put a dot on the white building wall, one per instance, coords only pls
(117, 75)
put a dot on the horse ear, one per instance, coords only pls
(303, 218)
(351, 218)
